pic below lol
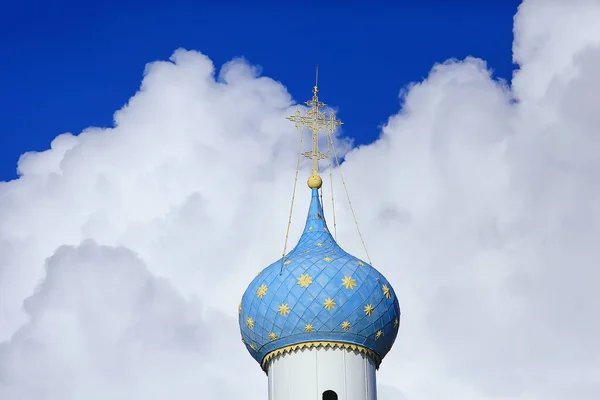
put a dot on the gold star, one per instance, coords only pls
(396, 323)
(258, 273)
(328, 259)
(240, 308)
(348, 282)
(362, 264)
(304, 280)
(325, 229)
(310, 228)
(253, 347)
(369, 309)
(329, 303)
(378, 334)
(261, 291)
(272, 336)
(284, 309)
(320, 244)
(250, 323)
(308, 328)
(386, 291)
(345, 325)
(287, 262)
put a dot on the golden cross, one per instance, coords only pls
(315, 121)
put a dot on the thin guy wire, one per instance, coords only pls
(331, 188)
(348, 196)
(287, 232)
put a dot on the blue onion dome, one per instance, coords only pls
(318, 295)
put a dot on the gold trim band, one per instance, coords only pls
(308, 345)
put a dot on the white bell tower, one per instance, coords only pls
(322, 373)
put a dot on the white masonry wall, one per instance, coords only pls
(305, 374)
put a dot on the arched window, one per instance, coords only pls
(330, 395)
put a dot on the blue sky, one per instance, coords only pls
(66, 66)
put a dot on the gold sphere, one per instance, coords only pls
(315, 182)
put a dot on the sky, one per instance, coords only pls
(66, 67)
(155, 172)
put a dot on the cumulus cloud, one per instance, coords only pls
(124, 251)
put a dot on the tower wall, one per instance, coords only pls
(307, 373)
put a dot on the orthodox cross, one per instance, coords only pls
(315, 121)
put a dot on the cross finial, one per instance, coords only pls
(315, 121)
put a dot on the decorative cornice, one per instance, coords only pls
(318, 344)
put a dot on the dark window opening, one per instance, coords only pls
(330, 395)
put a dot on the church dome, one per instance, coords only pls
(318, 295)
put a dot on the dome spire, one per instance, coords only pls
(315, 121)
(319, 318)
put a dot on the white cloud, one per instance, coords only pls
(124, 251)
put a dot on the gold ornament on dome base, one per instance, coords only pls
(320, 344)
